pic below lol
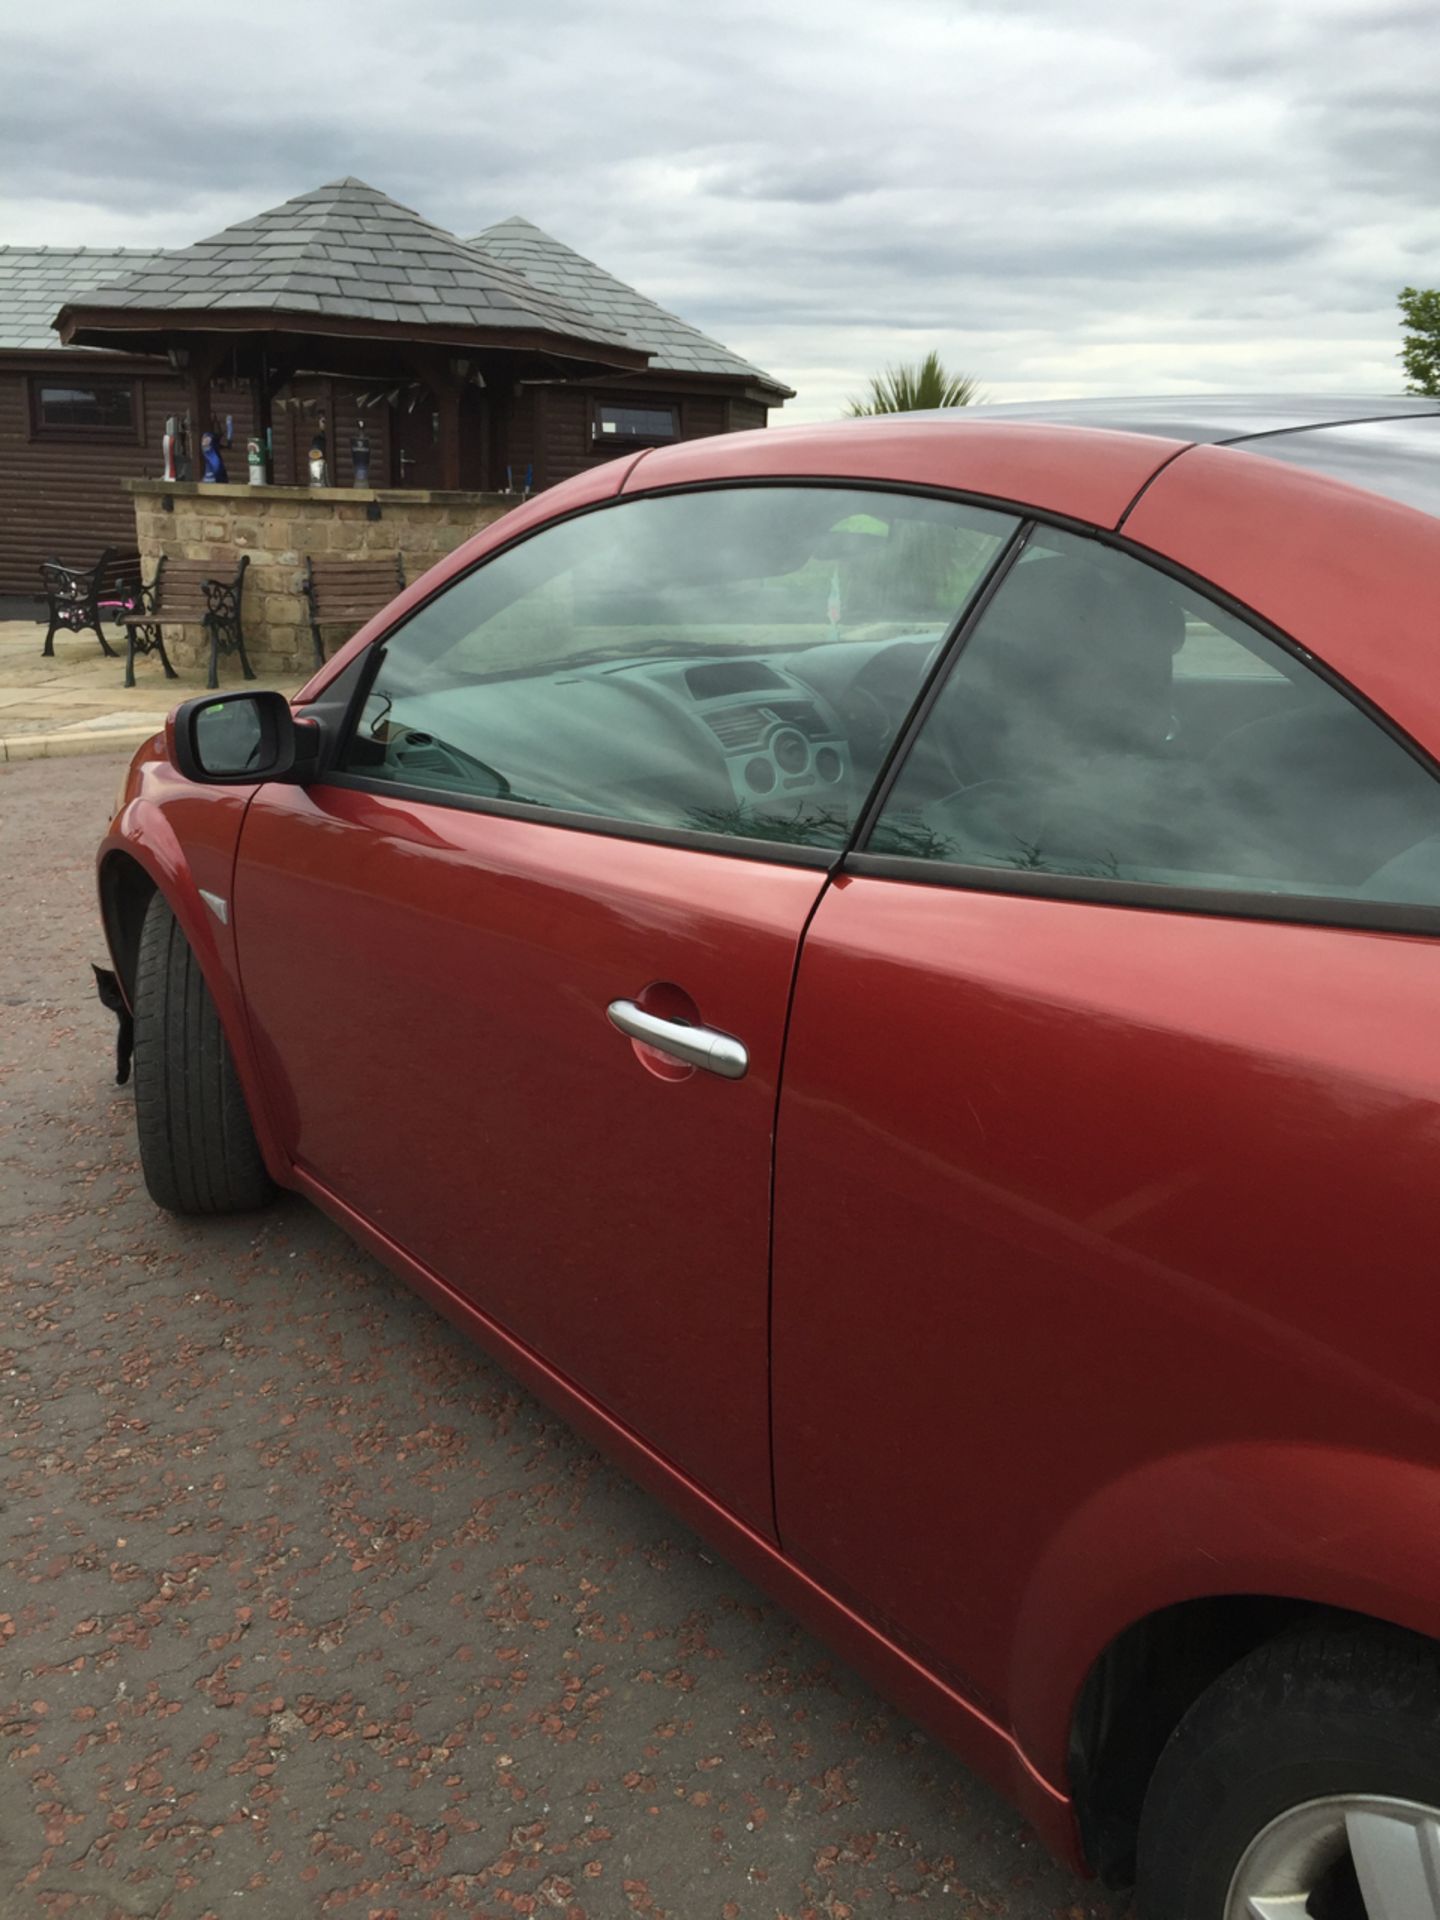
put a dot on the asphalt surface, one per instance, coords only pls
(307, 1609)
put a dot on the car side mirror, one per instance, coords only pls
(237, 739)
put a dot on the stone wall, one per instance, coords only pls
(277, 527)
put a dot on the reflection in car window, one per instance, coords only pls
(1207, 653)
(732, 662)
(1104, 720)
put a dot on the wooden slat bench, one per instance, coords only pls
(347, 593)
(185, 593)
(81, 597)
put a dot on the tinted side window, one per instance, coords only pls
(733, 662)
(1104, 720)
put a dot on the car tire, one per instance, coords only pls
(1326, 1732)
(198, 1150)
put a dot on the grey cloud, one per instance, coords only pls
(1121, 198)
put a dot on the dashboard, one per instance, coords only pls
(704, 737)
(777, 735)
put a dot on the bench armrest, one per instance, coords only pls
(222, 598)
(147, 597)
(68, 583)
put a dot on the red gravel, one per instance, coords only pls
(308, 1610)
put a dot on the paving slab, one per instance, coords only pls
(77, 702)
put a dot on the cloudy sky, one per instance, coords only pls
(1063, 199)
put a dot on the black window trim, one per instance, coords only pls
(784, 853)
(43, 429)
(777, 852)
(1317, 910)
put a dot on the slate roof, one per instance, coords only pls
(347, 251)
(676, 346)
(35, 282)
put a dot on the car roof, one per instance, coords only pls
(1208, 419)
(1387, 445)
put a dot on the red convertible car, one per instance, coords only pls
(892, 972)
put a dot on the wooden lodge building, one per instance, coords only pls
(486, 365)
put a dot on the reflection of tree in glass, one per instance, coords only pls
(805, 826)
(922, 572)
(914, 840)
(1032, 858)
(911, 840)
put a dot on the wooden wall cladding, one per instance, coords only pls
(556, 423)
(60, 499)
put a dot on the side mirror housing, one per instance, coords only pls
(239, 739)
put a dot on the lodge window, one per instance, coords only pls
(634, 426)
(84, 409)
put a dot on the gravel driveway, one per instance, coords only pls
(308, 1610)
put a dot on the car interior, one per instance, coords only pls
(1106, 721)
(739, 664)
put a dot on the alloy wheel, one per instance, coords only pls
(1347, 1857)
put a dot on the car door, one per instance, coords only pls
(518, 969)
(1112, 1089)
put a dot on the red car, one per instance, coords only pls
(892, 972)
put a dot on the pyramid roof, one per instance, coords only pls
(342, 253)
(673, 344)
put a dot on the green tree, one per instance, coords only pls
(1420, 348)
(904, 389)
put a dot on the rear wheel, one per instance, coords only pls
(1303, 1785)
(198, 1150)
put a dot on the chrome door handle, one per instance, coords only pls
(697, 1046)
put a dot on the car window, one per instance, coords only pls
(1105, 721)
(731, 662)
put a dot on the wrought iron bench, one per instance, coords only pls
(81, 597)
(347, 593)
(185, 593)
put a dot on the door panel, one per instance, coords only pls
(1063, 1189)
(435, 1038)
(415, 443)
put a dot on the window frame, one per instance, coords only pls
(777, 852)
(629, 441)
(853, 858)
(1221, 903)
(43, 429)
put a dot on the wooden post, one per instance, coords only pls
(541, 443)
(445, 388)
(499, 416)
(265, 382)
(447, 402)
(204, 359)
(279, 373)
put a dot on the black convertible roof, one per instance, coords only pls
(1388, 445)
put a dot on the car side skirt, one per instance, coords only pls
(978, 1740)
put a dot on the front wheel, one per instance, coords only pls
(198, 1150)
(1303, 1785)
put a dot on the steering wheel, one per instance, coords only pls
(868, 726)
(877, 702)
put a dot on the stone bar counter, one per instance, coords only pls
(277, 527)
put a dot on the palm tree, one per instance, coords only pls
(904, 389)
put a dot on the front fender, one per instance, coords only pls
(183, 839)
(1329, 1526)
